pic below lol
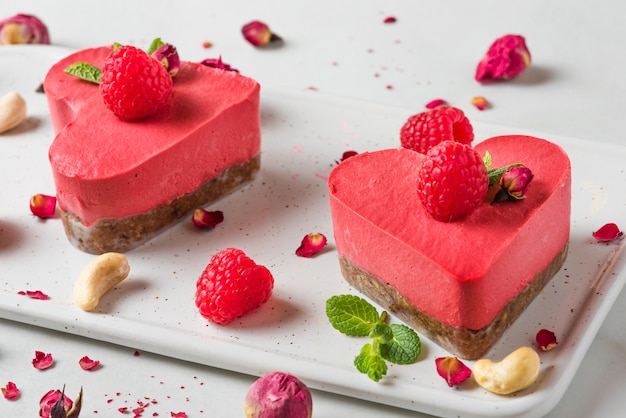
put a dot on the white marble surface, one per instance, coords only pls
(575, 88)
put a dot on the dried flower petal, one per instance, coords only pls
(43, 206)
(33, 294)
(10, 391)
(23, 29)
(259, 34)
(205, 219)
(452, 370)
(346, 155)
(218, 63)
(546, 340)
(42, 361)
(88, 364)
(608, 232)
(311, 244)
(178, 414)
(48, 401)
(435, 103)
(506, 58)
(480, 102)
(390, 19)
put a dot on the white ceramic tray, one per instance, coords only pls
(304, 134)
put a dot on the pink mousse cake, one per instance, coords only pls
(460, 283)
(120, 183)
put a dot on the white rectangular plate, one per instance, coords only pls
(304, 134)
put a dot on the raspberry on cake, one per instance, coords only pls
(424, 130)
(119, 183)
(460, 283)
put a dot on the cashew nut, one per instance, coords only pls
(515, 372)
(98, 277)
(12, 111)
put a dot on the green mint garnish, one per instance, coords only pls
(356, 317)
(85, 71)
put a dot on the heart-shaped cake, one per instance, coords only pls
(119, 183)
(461, 283)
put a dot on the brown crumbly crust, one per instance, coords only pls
(465, 343)
(120, 235)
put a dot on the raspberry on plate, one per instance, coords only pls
(133, 84)
(453, 180)
(232, 285)
(424, 130)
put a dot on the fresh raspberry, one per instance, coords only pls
(133, 84)
(452, 181)
(232, 285)
(444, 123)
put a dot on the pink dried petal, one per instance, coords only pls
(43, 206)
(480, 102)
(506, 58)
(10, 391)
(42, 361)
(178, 414)
(33, 294)
(546, 340)
(207, 219)
(346, 155)
(88, 364)
(452, 370)
(259, 34)
(218, 63)
(390, 19)
(434, 103)
(311, 244)
(608, 232)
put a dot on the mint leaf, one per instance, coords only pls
(405, 346)
(371, 363)
(487, 160)
(156, 44)
(351, 315)
(85, 71)
(381, 332)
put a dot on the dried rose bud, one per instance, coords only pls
(546, 340)
(514, 183)
(278, 395)
(480, 102)
(43, 206)
(259, 34)
(218, 63)
(168, 56)
(506, 58)
(608, 232)
(203, 218)
(23, 29)
(55, 404)
(311, 244)
(452, 370)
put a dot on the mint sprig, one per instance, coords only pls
(395, 343)
(85, 71)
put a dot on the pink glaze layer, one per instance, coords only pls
(463, 272)
(106, 168)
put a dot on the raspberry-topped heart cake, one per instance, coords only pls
(464, 277)
(139, 151)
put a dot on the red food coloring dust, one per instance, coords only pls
(452, 370)
(86, 363)
(202, 218)
(33, 294)
(311, 244)
(608, 232)
(43, 206)
(390, 19)
(436, 103)
(42, 360)
(10, 391)
(546, 340)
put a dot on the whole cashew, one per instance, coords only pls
(98, 277)
(12, 111)
(515, 372)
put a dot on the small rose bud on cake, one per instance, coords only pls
(278, 395)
